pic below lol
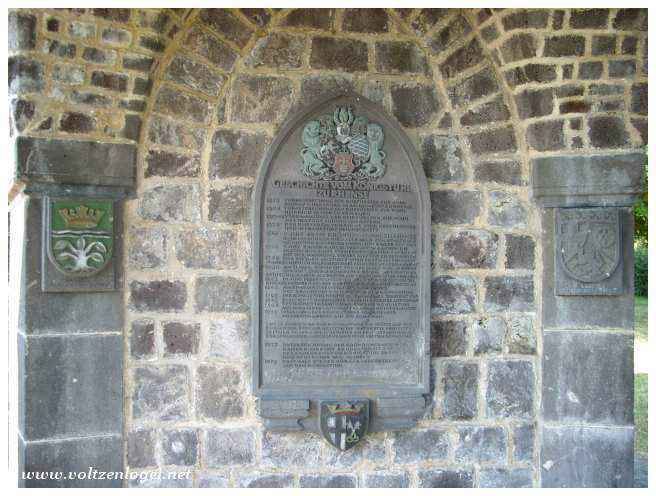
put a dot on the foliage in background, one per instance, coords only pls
(641, 272)
(641, 413)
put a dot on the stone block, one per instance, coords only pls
(170, 203)
(194, 75)
(230, 26)
(523, 442)
(164, 131)
(546, 135)
(292, 450)
(603, 45)
(77, 376)
(175, 103)
(520, 336)
(236, 154)
(142, 339)
(460, 390)
(230, 204)
(524, 19)
(221, 294)
(315, 87)
(591, 70)
(116, 36)
(179, 447)
(229, 339)
(21, 31)
(442, 158)
(493, 141)
(488, 335)
(445, 478)
(564, 46)
(629, 45)
(508, 293)
(457, 29)
(481, 444)
(226, 447)
(113, 15)
(109, 81)
(153, 296)
(505, 477)
(506, 210)
(98, 56)
(531, 73)
(469, 90)
(25, 75)
(471, 249)
(211, 48)
(420, 445)
(141, 448)
(383, 479)
(208, 248)
(400, 57)
(455, 206)
(262, 480)
(328, 481)
(277, 51)
(82, 30)
(366, 21)
(462, 59)
(310, 18)
(639, 100)
(57, 49)
(76, 122)
(534, 103)
(219, 392)
(167, 164)
(604, 456)
(519, 47)
(588, 377)
(414, 106)
(630, 20)
(260, 17)
(608, 132)
(426, 19)
(160, 393)
(520, 252)
(338, 54)
(371, 448)
(453, 295)
(103, 453)
(208, 480)
(501, 172)
(493, 111)
(588, 18)
(510, 386)
(448, 338)
(147, 247)
(180, 338)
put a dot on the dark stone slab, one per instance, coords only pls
(180, 447)
(420, 445)
(328, 481)
(510, 387)
(460, 390)
(523, 442)
(262, 480)
(75, 455)
(481, 444)
(502, 477)
(160, 393)
(446, 478)
(386, 479)
(141, 448)
(69, 162)
(588, 377)
(224, 447)
(603, 456)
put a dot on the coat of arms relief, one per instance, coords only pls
(343, 146)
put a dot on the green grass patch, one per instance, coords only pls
(641, 318)
(641, 413)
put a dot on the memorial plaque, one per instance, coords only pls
(341, 274)
(589, 252)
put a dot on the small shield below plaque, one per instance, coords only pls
(344, 423)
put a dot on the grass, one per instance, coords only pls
(641, 413)
(641, 318)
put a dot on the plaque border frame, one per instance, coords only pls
(370, 391)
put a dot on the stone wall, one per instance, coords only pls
(481, 93)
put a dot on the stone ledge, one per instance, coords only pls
(579, 181)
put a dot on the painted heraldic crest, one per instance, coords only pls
(589, 243)
(343, 146)
(344, 423)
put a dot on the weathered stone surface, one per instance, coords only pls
(400, 57)
(590, 70)
(493, 111)
(57, 49)
(196, 76)
(97, 56)
(170, 203)
(504, 477)
(474, 249)
(414, 106)
(22, 112)
(166, 164)
(420, 445)
(588, 377)
(442, 158)
(82, 30)
(481, 84)
(225, 447)
(453, 295)
(534, 103)
(147, 247)
(221, 294)
(488, 335)
(523, 19)
(607, 132)
(455, 206)
(501, 172)
(603, 45)
(524, 442)
(229, 339)
(520, 337)
(229, 25)
(386, 479)
(508, 293)
(219, 393)
(76, 122)
(139, 63)
(328, 481)
(277, 51)
(462, 59)
(448, 338)
(180, 338)
(230, 204)
(506, 210)
(446, 478)
(313, 87)
(262, 480)
(116, 36)
(211, 48)
(480, 444)
(173, 102)
(531, 73)
(207, 480)
(169, 132)
(310, 18)
(519, 47)
(426, 19)
(460, 390)
(258, 16)
(160, 393)
(371, 448)
(604, 456)
(546, 135)
(444, 38)
(76, 376)
(631, 19)
(366, 21)
(68, 74)
(338, 54)
(256, 99)
(142, 338)
(520, 252)
(141, 448)
(510, 389)
(564, 46)
(180, 447)
(236, 153)
(291, 450)
(109, 81)
(152, 296)
(22, 31)
(493, 141)
(208, 248)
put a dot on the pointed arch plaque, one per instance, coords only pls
(341, 274)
